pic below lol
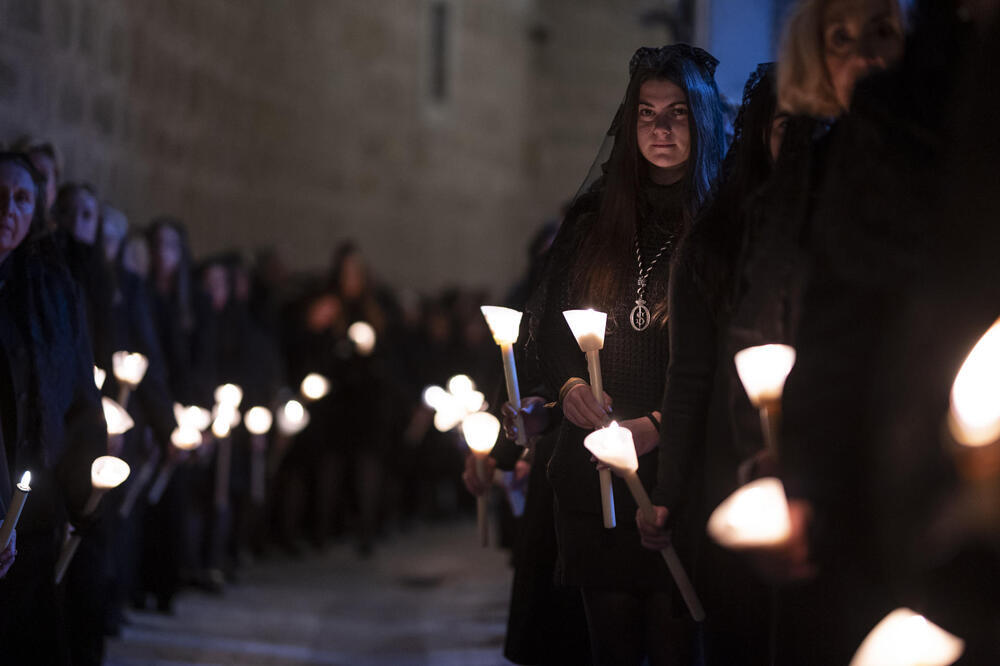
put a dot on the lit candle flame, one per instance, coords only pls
(755, 516)
(504, 323)
(460, 385)
(192, 416)
(904, 638)
(481, 431)
(186, 438)
(363, 336)
(108, 472)
(763, 371)
(588, 328)
(292, 418)
(129, 368)
(117, 419)
(974, 418)
(230, 395)
(25, 484)
(258, 420)
(99, 377)
(614, 447)
(315, 386)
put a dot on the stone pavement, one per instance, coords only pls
(430, 597)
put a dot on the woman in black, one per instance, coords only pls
(698, 462)
(613, 253)
(51, 420)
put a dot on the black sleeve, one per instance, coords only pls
(693, 348)
(153, 393)
(86, 430)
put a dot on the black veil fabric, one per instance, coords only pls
(586, 202)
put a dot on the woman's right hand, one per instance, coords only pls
(533, 414)
(654, 535)
(582, 410)
(475, 484)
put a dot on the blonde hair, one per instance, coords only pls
(804, 86)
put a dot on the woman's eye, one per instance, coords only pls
(645, 113)
(22, 197)
(839, 38)
(680, 112)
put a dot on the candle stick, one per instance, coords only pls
(17, 501)
(258, 421)
(138, 483)
(481, 430)
(588, 328)
(226, 416)
(106, 472)
(505, 326)
(904, 638)
(184, 437)
(129, 369)
(614, 447)
(763, 371)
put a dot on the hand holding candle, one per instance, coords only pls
(505, 326)
(614, 447)
(481, 430)
(106, 472)
(763, 371)
(588, 327)
(21, 491)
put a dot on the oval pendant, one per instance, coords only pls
(640, 317)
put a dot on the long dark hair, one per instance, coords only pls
(610, 241)
(711, 248)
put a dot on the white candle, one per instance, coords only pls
(614, 447)
(138, 483)
(106, 472)
(20, 495)
(129, 369)
(505, 325)
(904, 638)
(763, 371)
(588, 327)
(755, 516)
(481, 430)
(258, 422)
(118, 420)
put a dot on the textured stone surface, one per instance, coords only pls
(306, 122)
(433, 597)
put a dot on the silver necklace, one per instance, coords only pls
(640, 317)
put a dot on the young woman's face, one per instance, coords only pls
(17, 206)
(81, 216)
(663, 129)
(167, 251)
(859, 36)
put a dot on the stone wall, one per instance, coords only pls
(302, 122)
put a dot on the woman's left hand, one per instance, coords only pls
(644, 436)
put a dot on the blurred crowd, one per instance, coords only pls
(352, 454)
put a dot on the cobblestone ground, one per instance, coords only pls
(430, 597)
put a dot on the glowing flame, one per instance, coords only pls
(614, 447)
(186, 438)
(99, 377)
(754, 516)
(504, 323)
(108, 472)
(904, 638)
(588, 328)
(763, 371)
(363, 336)
(129, 368)
(25, 484)
(118, 420)
(974, 418)
(292, 418)
(230, 395)
(258, 420)
(481, 430)
(315, 386)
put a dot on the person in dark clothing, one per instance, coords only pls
(50, 413)
(698, 461)
(864, 404)
(613, 253)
